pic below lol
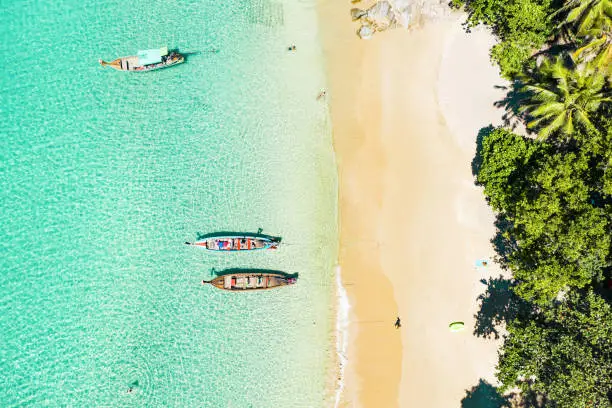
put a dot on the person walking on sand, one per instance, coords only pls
(398, 323)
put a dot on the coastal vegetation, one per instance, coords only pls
(528, 27)
(552, 192)
(558, 97)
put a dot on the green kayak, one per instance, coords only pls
(456, 326)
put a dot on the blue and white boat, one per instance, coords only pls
(146, 60)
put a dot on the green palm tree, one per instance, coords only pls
(591, 22)
(556, 97)
(598, 52)
(588, 17)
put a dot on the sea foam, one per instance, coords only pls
(342, 325)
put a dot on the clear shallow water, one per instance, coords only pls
(104, 175)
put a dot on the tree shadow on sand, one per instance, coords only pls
(498, 306)
(477, 160)
(484, 395)
(512, 117)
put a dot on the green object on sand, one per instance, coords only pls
(456, 326)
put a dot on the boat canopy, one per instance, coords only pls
(148, 57)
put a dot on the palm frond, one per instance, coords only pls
(596, 43)
(583, 119)
(587, 18)
(557, 99)
(549, 108)
(539, 92)
(568, 127)
(552, 127)
(593, 105)
(536, 123)
(596, 82)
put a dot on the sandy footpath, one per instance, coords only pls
(406, 108)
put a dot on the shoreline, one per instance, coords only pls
(342, 335)
(343, 52)
(404, 130)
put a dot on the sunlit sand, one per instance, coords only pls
(406, 108)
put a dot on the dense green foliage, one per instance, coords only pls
(526, 27)
(521, 25)
(553, 198)
(559, 231)
(564, 351)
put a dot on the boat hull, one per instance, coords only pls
(241, 282)
(236, 243)
(129, 64)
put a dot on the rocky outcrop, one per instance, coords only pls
(386, 14)
(380, 17)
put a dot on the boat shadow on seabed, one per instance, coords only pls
(222, 234)
(187, 55)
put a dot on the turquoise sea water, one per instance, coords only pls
(104, 175)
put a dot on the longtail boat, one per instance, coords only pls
(239, 243)
(250, 281)
(146, 60)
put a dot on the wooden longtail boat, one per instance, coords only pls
(240, 243)
(146, 60)
(250, 281)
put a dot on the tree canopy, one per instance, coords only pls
(587, 17)
(553, 196)
(562, 234)
(521, 25)
(527, 27)
(564, 352)
(558, 97)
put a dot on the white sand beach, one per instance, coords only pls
(406, 108)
